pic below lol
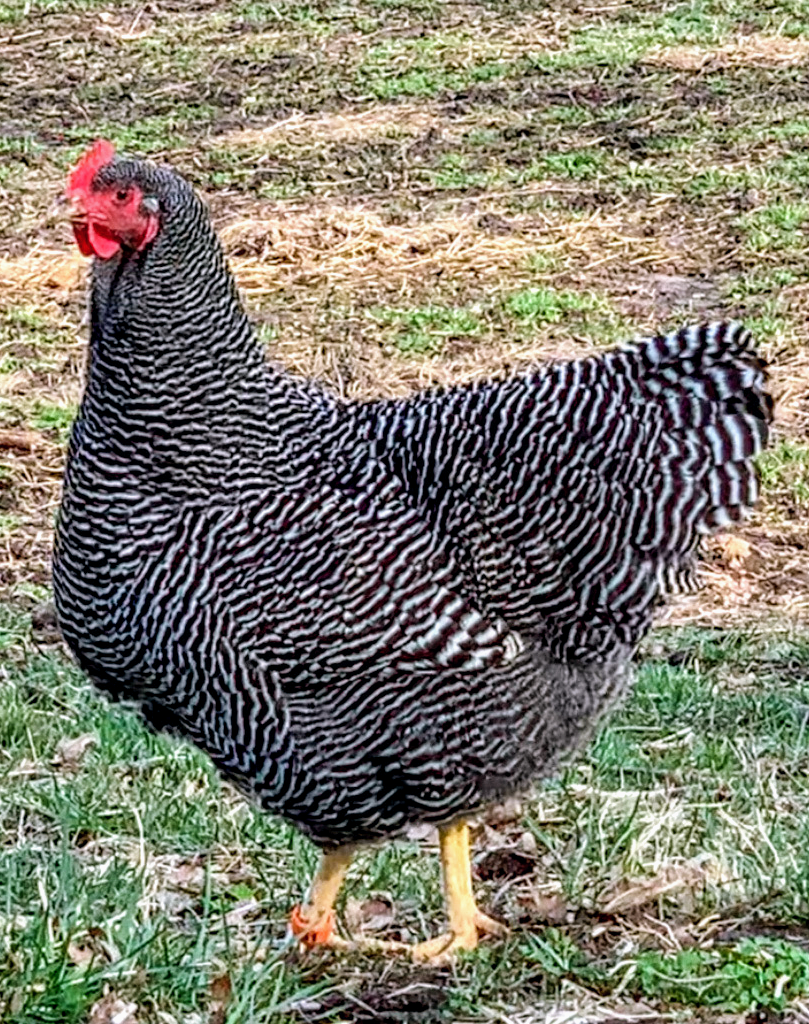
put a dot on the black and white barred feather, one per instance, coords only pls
(373, 614)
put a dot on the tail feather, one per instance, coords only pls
(573, 491)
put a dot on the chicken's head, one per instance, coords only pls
(109, 211)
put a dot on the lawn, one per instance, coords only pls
(414, 192)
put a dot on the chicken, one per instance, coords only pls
(370, 615)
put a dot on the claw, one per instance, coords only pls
(440, 951)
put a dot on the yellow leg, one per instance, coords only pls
(466, 922)
(313, 922)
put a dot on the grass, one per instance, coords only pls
(426, 330)
(776, 228)
(785, 472)
(54, 418)
(436, 329)
(432, 193)
(131, 868)
(548, 305)
(757, 973)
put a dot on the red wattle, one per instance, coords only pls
(103, 245)
(82, 235)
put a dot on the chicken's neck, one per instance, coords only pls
(177, 386)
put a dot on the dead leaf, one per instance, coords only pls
(504, 813)
(504, 864)
(220, 991)
(92, 946)
(372, 915)
(550, 908)
(184, 873)
(81, 953)
(628, 893)
(112, 1010)
(113, 25)
(70, 753)
(26, 768)
(241, 912)
(733, 551)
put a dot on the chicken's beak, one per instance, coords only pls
(66, 209)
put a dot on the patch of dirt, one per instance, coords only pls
(769, 587)
(407, 995)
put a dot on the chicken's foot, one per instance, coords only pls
(466, 922)
(312, 922)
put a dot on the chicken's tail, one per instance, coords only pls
(573, 493)
(635, 455)
(710, 387)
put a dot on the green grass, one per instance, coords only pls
(425, 66)
(14, 12)
(148, 135)
(74, 874)
(785, 472)
(39, 337)
(455, 171)
(9, 524)
(128, 870)
(261, 14)
(580, 165)
(426, 330)
(548, 305)
(776, 228)
(756, 974)
(54, 419)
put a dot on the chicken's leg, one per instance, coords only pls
(466, 922)
(313, 922)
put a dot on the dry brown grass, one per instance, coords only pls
(308, 129)
(41, 269)
(753, 50)
(337, 244)
(340, 244)
(790, 380)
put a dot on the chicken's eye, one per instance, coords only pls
(122, 195)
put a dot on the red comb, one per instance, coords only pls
(98, 156)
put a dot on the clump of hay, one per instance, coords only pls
(305, 129)
(754, 50)
(339, 245)
(42, 269)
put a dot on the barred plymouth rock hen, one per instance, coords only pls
(372, 614)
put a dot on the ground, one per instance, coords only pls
(413, 192)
